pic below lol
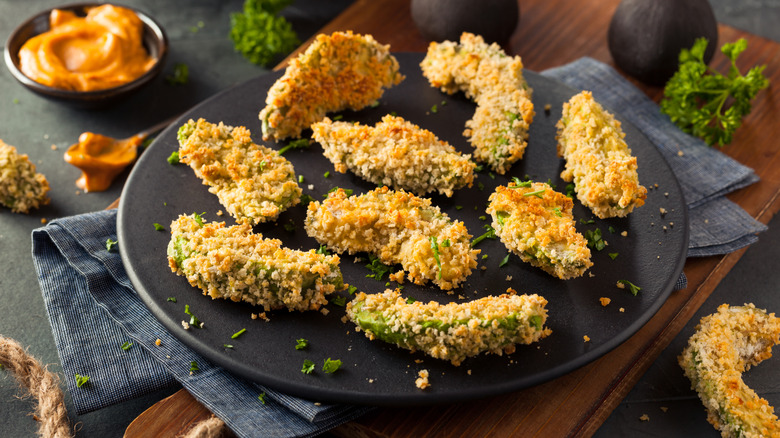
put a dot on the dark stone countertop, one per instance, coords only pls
(35, 126)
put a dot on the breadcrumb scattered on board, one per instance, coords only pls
(21, 187)
(422, 379)
(605, 301)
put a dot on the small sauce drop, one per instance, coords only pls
(99, 51)
(101, 159)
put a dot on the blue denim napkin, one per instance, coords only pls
(93, 311)
(93, 308)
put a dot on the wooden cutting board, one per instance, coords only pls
(551, 33)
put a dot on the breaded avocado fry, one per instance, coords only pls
(235, 264)
(499, 128)
(396, 153)
(21, 187)
(726, 344)
(397, 227)
(336, 72)
(536, 223)
(598, 160)
(254, 183)
(452, 331)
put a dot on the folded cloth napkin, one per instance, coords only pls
(94, 310)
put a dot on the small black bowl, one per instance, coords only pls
(154, 40)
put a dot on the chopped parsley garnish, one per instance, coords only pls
(194, 367)
(173, 158)
(338, 117)
(322, 250)
(326, 174)
(301, 344)
(238, 333)
(631, 287)
(446, 243)
(613, 255)
(126, 346)
(611, 229)
(393, 113)
(484, 256)
(330, 366)
(199, 218)
(374, 104)
(501, 216)
(504, 261)
(306, 199)
(158, 227)
(352, 289)
(227, 345)
(478, 168)
(537, 193)
(289, 226)
(410, 300)
(491, 175)
(483, 218)
(172, 299)
(489, 234)
(570, 190)
(378, 268)
(557, 211)
(180, 76)
(300, 179)
(308, 366)
(261, 397)
(81, 380)
(262, 165)
(587, 221)
(260, 33)
(480, 186)
(194, 321)
(520, 183)
(348, 192)
(594, 239)
(339, 300)
(435, 248)
(295, 144)
(434, 109)
(111, 244)
(458, 207)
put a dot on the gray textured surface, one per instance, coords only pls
(34, 125)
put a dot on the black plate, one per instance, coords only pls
(651, 256)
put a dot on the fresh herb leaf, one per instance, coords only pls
(158, 227)
(704, 102)
(326, 174)
(172, 299)
(489, 234)
(289, 226)
(501, 217)
(81, 380)
(434, 109)
(173, 158)
(330, 366)
(557, 211)
(483, 218)
(322, 250)
(301, 344)
(339, 300)
(378, 268)
(587, 221)
(352, 289)
(306, 199)
(570, 190)
(435, 248)
(126, 346)
(338, 117)
(537, 193)
(520, 183)
(301, 143)
(111, 244)
(613, 255)
(261, 397)
(238, 333)
(308, 366)
(631, 287)
(199, 218)
(194, 321)
(611, 229)
(348, 192)
(300, 179)
(260, 33)
(594, 239)
(410, 300)
(194, 367)
(227, 345)
(180, 76)
(458, 207)
(504, 261)
(480, 186)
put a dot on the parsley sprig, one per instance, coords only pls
(260, 33)
(704, 102)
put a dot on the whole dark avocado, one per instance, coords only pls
(440, 20)
(645, 36)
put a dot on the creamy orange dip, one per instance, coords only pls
(101, 159)
(99, 51)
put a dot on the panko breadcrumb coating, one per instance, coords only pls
(254, 183)
(336, 72)
(21, 187)
(397, 227)
(726, 344)
(598, 159)
(536, 223)
(451, 331)
(395, 153)
(499, 128)
(235, 264)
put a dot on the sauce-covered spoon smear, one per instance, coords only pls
(102, 158)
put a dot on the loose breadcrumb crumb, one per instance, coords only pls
(185, 325)
(622, 310)
(620, 285)
(586, 338)
(158, 342)
(644, 417)
(605, 301)
(664, 408)
(422, 380)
